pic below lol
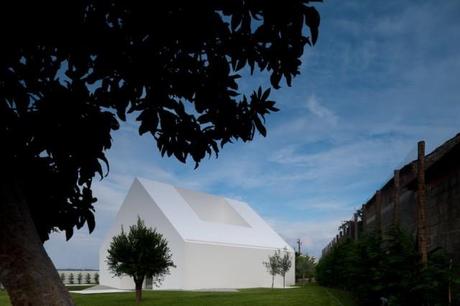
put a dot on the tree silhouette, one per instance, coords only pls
(140, 253)
(71, 71)
(71, 279)
(88, 278)
(62, 276)
(79, 278)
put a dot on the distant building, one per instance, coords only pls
(216, 242)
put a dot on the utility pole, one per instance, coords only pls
(449, 297)
(378, 213)
(396, 213)
(299, 244)
(355, 226)
(422, 234)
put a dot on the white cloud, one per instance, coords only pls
(342, 160)
(321, 111)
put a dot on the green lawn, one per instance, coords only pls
(310, 295)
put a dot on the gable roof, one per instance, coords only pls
(203, 218)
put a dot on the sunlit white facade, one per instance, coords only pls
(216, 242)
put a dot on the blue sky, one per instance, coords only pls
(383, 75)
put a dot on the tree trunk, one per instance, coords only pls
(139, 291)
(273, 280)
(26, 271)
(138, 294)
(284, 281)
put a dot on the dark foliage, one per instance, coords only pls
(140, 253)
(71, 70)
(373, 268)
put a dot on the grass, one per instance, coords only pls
(310, 295)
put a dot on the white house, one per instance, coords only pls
(216, 242)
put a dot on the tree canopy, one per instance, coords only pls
(304, 266)
(140, 253)
(71, 71)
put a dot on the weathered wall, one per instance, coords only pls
(442, 182)
(442, 203)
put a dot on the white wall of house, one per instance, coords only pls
(221, 266)
(215, 242)
(139, 203)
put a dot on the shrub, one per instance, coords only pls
(374, 267)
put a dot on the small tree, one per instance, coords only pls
(304, 266)
(141, 253)
(71, 281)
(79, 278)
(62, 276)
(272, 265)
(88, 278)
(285, 263)
(96, 278)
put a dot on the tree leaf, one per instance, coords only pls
(260, 127)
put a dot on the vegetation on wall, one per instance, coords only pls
(388, 268)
